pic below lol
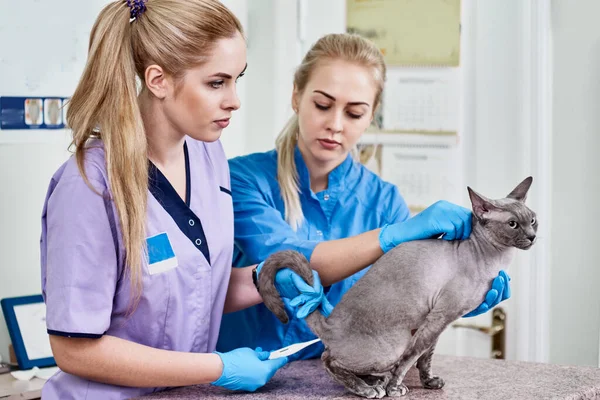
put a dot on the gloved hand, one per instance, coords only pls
(500, 291)
(247, 369)
(451, 220)
(311, 297)
(291, 286)
(283, 282)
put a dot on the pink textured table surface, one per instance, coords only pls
(466, 378)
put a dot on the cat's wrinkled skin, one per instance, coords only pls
(420, 286)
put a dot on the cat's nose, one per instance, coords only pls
(531, 238)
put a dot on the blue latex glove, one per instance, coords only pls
(247, 369)
(500, 291)
(441, 218)
(311, 297)
(291, 286)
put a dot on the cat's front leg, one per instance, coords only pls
(424, 338)
(428, 380)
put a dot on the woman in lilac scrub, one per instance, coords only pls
(137, 227)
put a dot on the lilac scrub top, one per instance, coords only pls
(190, 246)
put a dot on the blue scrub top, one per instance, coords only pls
(355, 201)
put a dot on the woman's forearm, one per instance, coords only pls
(241, 292)
(116, 361)
(336, 260)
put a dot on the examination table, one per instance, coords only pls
(466, 378)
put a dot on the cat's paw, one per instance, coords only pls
(380, 392)
(375, 380)
(374, 392)
(433, 383)
(397, 391)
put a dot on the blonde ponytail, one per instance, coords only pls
(106, 98)
(287, 174)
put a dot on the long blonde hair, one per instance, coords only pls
(175, 34)
(340, 46)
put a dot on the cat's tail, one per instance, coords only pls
(266, 282)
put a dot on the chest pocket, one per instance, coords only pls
(161, 257)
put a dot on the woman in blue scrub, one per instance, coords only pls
(137, 227)
(311, 195)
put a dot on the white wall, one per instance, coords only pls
(25, 172)
(575, 316)
(319, 18)
(34, 61)
(272, 56)
(276, 45)
(493, 158)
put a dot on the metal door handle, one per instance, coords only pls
(488, 330)
(496, 331)
(498, 323)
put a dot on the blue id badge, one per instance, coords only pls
(161, 257)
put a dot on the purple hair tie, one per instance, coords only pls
(137, 8)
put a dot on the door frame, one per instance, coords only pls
(528, 328)
(533, 335)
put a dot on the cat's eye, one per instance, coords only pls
(513, 224)
(532, 221)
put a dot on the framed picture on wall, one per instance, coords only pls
(26, 321)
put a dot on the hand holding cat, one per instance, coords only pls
(442, 218)
(311, 297)
(308, 298)
(500, 291)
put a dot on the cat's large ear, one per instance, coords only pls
(520, 192)
(481, 205)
